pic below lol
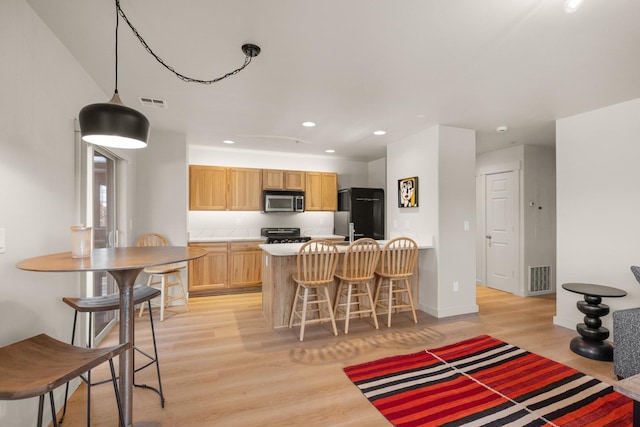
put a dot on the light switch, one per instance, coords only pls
(466, 226)
(2, 240)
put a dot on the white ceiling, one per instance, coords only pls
(356, 66)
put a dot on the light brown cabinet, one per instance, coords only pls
(207, 188)
(322, 191)
(215, 188)
(245, 264)
(276, 179)
(228, 265)
(245, 189)
(209, 272)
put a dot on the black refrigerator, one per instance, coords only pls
(364, 207)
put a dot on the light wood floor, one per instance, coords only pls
(221, 366)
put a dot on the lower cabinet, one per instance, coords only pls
(225, 267)
(245, 264)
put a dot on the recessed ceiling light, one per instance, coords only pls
(308, 124)
(329, 151)
(379, 132)
(228, 141)
(502, 129)
(571, 6)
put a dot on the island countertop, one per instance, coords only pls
(278, 288)
(288, 249)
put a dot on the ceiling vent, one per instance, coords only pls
(150, 102)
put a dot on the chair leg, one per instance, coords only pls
(66, 388)
(155, 353)
(40, 410)
(348, 308)
(333, 320)
(413, 310)
(293, 306)
(163, 295)
(184, 295)
(54, 416)
(336, 303)
(115, 388)
(149, 280)
(371, 305)
(390, 303)
(304, 312)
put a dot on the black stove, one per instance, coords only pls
(283, 235)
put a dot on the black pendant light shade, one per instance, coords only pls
(112, 124)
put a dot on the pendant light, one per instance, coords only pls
(113, 124)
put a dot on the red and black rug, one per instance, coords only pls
(486, 382)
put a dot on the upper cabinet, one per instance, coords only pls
(321, 191)
(294, 180)
(245, 186)
(207, 188)
(276, 179)
(214, 188)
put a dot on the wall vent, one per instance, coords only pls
(151, 102)
(539, 279)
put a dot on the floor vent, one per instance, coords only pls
(540, 279)
(150, 102)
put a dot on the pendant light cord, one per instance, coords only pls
(117, 23)
(247, 60)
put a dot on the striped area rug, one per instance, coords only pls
(486, 382)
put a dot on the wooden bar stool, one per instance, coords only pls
(359, 264)
(141, 294)
(164, 277)
(316, 266)
(38, 365)
(395, 269)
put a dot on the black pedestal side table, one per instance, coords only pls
(591, 342)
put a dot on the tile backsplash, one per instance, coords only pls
(248, 224)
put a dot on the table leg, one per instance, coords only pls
(592, 340)
(126, 280)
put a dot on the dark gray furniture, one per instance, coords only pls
(592, 340)
(626, 336)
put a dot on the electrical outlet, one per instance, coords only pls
(456, 286)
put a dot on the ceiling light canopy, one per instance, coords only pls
(113, 124)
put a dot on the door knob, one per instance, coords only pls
(488, 236)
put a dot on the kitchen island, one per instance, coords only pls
(278, 288)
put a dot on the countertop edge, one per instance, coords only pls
(291, 249)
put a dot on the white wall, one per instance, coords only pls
(538, 212)
(43, 90)
(163, 188)
(598, 196)
(443, 159)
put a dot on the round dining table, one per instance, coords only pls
(124, 264)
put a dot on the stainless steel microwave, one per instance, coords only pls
(283, 201)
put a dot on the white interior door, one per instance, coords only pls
(502, 231)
